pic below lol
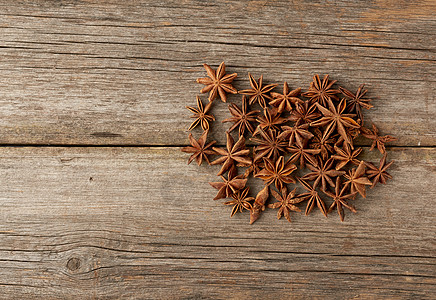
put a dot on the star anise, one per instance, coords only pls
(285, 203)
(259, 204)
(240, 201)
(322, 172)
(241, 118)
(340, 199)
(234, 152)
(269, 145)
(322, 143)
(200, 115)
(271, 119)
(277, 172)
(298, 133)
(218, 83)
(304, 113)
(356, 101)
(378, 141)
(304, 154)
(379, 174)
(357, 179)
(258, 93)
(313, 197)
(335, 118)
(345, 155)
(283, 101)
(229, 186)
(320, 92)
(199, 148)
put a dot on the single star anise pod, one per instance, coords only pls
(229, 186)
(335, 118)
(283, 101)
(285, 203)
(304, 113)
(269, 145)
(320, 92)
(258, 93)
(259, 204)
(241, 118)
(199, 148)
(356, 101)
(340, 199)
(304, 154)
(345, 155)
(218, 83)
(379, 174)
(298, 133)
(322, 172)
(378, 141)
(277, 172)
(240, 201)
(322, 143)
(357, 179)
(271, 119)
(313, 197)
(200, 115)
(234, 152)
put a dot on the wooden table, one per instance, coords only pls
(97, 201)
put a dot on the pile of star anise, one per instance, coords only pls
(292, 132)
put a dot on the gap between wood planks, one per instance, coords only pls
(22, 145)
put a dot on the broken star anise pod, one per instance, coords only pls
(334, 117)
(378, 141)
(241, 118)
(229, 186)
(357, 180)
(258, 93)
(200, 115)
(277, 172)
(321, 91)
(269, 145)
(233, 152)
(379, 174)
(199, 148)
(340, 199)
(285, 202)
(356, 101)
(259, 204)
(283, 101)
(240, 201)
(218, 83)
(322, 172)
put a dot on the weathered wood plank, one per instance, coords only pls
(121, 73)
(138, 223)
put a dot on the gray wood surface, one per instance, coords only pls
(137, 222)
(122, 73)
(130, 220)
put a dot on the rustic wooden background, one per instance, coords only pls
(97, 201)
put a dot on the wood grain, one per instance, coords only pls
(105, 72)
(111, 223)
